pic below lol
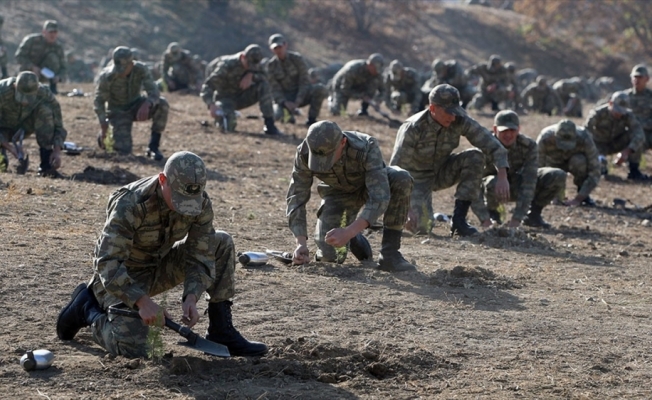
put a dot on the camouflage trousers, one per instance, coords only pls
(122, 123)
(181, 76)
(618, 143)
(339, 209)
(259, 92)
(545, 105)
(574, 106)
(483, 98)
(338, 101)
(398, 99)
(635, 156)
(464, 168)
(40, 122)
(127, 336)
(550, 182)
(578, 166)
(315, 96)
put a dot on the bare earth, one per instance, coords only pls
(563, 313)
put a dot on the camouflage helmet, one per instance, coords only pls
(122, 57)
(174, 48)
(50, 26)
(541, 80)
(494, 59)
(135, 53)
(254, 55)
(323, 139)
(639, 70)
(276, 40)
(447, 97)
(26, 87)
(438, 65)
(186, 176)
(565, 135)
(620, 102)
(377, 61)
(510, 67)
(395, 68)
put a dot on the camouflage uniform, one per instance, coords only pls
(354, 81)
(359, 185)
(401, 86)
(568, 91)
(289, 81)
(571, 149)
(35, 51)
(641, 105)
(78, 70)
(493, 83)
(544, 99)
(452, 73)
(425, 149)
(3, 52)
(612, 135)
(179, 68)
(124, 98)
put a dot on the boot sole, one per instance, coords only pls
(74, 295)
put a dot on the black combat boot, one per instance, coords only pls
(53, 87)
(361, 248)
(534, 218)
(45, 169)
(81, 311)
(23, 164)
(364, 109)
(390, 258)
(495, 216)
(221, 330)
(635, 173)
(459, 225)
(152, 149)
(270, 128)
(310, 121)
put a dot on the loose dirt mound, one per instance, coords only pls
(114, 176)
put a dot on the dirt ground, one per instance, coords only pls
(560, 313)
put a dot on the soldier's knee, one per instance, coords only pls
(474, 157)
(223, 240)
(400, 179)
(163, 104)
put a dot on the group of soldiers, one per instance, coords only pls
(159, 230)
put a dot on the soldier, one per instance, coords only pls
(513, 94)
(288, 77)
(26, 104)
(531, 187)
(493, 83)
(401, 86)
(543, 98)
(120, 85)
(526, 76)
(568, 91)
(354, 177)
(158, 234)
(78, 70)
(452, 73)
(238, 82)
(357, 79)
(43, 55)
(640, 99)
(615, 129)
(571, 149)
(179, 70)
(3, 52)
(424, 147)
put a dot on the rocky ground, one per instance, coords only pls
(561, 313)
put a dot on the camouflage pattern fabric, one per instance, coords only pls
(425, 149)
(582, 161)
(405, 89)
(224, 85)
(123, 95)
(210, 67)
(181, 70)
(493, 85)
(612, 135)
(641, 105)
(146, 249)
(289, 81)
(353, 81)
(568, 91)
(35, 51)
(543, 99)
(359, 185)
(42, 117)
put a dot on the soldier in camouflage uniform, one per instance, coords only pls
(543, 98)
(120, 85)
(401, 85)
(531, 187)
(424, 147)
(288, 77)
(357, 79)
(3, 52)
(616, 129)
(26, 104)
(640, 100)
(158, 234)
(493, 83)
(179, 70)
(452, 73)
(78, 70)
(571, 149)
(568, 91)
(238, 82)
(41, 50)
(353, 178)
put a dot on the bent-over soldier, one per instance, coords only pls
(401, 86)
(357, 79)
(40, 51)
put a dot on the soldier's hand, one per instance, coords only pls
(55, 158)
(246, 81)
(143, 112)
(337, 237)
(502, 189)
(290, 105)
(623, 156)
(150, 312)
(301, 255)
(190, 313)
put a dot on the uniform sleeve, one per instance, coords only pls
(304, 80)
(298, 196)
(593, 178)
(101, 97)
(405, 147)
(200, 259)
(377, 184)
(59, 132)
(541, 148)
(277, 91)
(153, 93)
(591, 122)
(212, 84)
(22, 53)
(525, 192)
(485, 141)
(114, 247)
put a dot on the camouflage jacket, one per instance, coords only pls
(454, 76)
(288, 76)
(552, 156)
(12, 113)
(140, 230)
(224, 81)
(422, 144)
(409, 83)
(604, 127)
(123, 92)
(33, 50)
(489, 76)
(641, 105)
(354, 79)
(185, 61)
(361, 172)
(565, 88)
(523, 165)
(540, 97)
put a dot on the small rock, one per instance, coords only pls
(379, 370)
(624, 253)
(646, 222)
(133, 364)
(30, 191)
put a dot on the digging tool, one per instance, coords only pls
(282, 256)
(194, 340)
(393, 123)
(23, 159)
